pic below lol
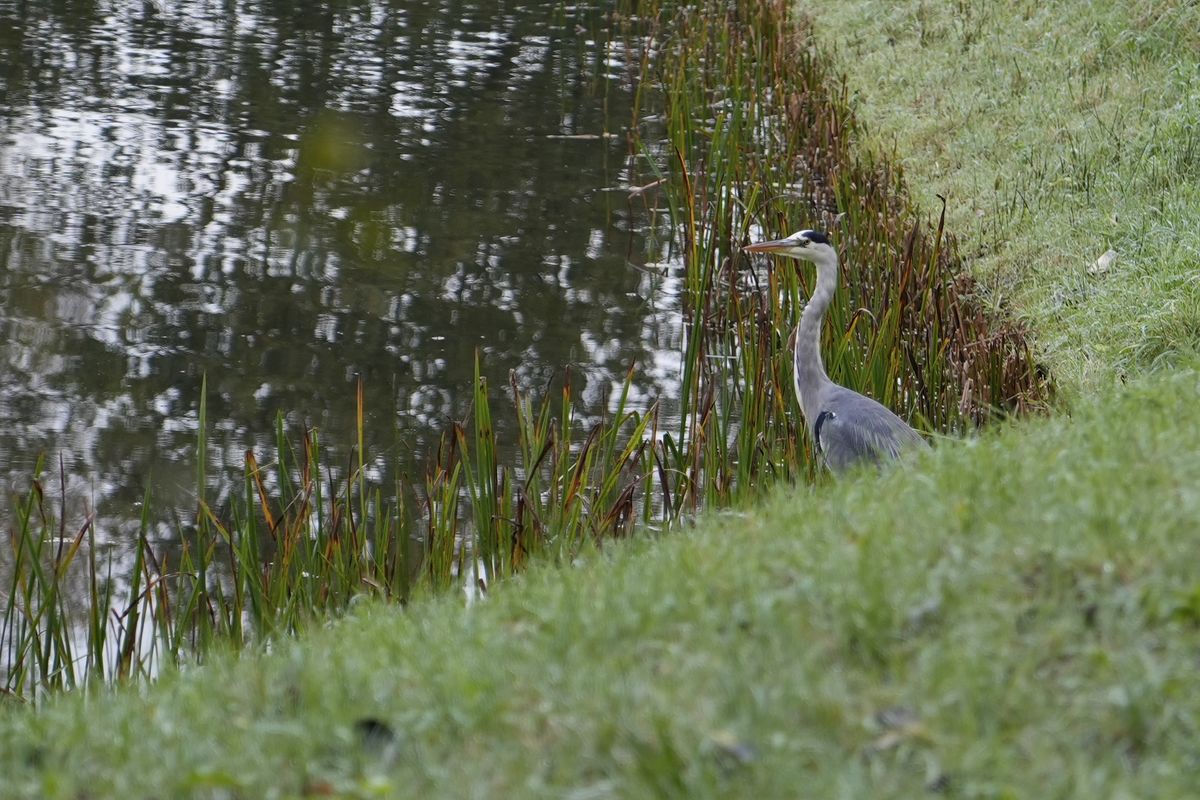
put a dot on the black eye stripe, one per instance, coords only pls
(816, 236)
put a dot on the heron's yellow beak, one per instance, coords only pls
(773, 246)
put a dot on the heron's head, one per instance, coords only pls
(805, 245)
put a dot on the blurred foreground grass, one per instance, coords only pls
(1017, 616)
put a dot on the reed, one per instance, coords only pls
(766, 143)
(759, 139)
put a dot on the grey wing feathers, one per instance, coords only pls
(853, 428)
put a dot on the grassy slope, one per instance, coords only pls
(1018, 616)
(1032, 636)
(1057, 131)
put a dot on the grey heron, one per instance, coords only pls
(846, 427)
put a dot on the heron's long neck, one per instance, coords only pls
(809, 368)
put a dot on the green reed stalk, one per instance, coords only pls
(99, 602)
(482, 481)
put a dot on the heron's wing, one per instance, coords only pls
(851, 428)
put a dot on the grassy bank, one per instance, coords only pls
(1057, 131)
(1017, 617)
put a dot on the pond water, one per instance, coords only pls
(288, 196)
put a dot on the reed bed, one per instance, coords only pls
(760, 140)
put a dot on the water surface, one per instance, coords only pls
(289, 196)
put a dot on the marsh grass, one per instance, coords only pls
(758, 140)
(763, 136)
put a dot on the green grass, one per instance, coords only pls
(1057, 131)
(1018, 616)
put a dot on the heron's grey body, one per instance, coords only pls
(847, 428)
